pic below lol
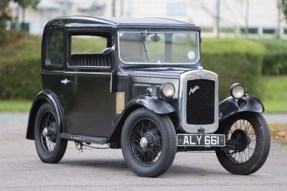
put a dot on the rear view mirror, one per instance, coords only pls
(155, 38)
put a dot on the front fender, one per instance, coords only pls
(43, 97)
(152, 103)
(231, 106)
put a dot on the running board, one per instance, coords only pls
(85, 139)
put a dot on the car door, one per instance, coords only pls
(88, 104)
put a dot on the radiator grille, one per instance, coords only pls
(200, 101)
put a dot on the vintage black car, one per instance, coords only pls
(138, 85)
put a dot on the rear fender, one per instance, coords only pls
(45, 96)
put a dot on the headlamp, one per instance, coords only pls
(168, 89)
(237, 90)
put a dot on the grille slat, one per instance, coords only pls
(200, 101)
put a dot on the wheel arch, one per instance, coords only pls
(45, 96)
(231, 106)
(153, 104)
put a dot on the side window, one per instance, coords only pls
(55, 48)
(87, 51)
(84, 44)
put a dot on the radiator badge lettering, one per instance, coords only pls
(192, 90)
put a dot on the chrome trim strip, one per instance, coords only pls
(52, 71)
(193, 75)
(89, 67)
(74, 72)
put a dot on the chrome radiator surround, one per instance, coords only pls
(197, 75)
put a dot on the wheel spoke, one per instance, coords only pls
(238, 127)
(48, 141)
(148, 129)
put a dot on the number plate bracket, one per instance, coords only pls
(200, 140)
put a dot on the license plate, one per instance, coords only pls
(200, 140)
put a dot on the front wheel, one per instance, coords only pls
(50, 147)
(248, 138)
(148, 143)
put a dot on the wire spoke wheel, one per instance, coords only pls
(47, 132)
(148, 143)
(248, 143)
(50, 147)
(243, 138)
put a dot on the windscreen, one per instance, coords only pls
(163, 47)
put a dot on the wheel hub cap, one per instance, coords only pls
(149, 140)
(49, 132)
(45, 132)
(240, 139)
(143, 142)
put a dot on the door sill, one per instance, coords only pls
(85, 139)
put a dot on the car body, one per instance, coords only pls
(138, 84)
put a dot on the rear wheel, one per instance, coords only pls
(247, 135)
(50, 147)
(148, 143)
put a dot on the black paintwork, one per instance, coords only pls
(152, 103)
(114, 22)
(85, 105)
(231, 106)
(44, 96)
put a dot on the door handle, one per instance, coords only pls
(65, 81)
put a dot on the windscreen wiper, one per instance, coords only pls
(144, 35)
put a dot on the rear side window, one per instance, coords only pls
(55, 48)
(87, 44)
(87, 50)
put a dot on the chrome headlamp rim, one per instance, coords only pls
(237, 91)
(167, 90)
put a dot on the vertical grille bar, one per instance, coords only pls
(200, 101)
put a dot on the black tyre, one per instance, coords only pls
(148, 143)
(248, 136)
(50, 147)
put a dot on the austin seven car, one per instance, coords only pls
(137, 84)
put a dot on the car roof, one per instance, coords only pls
(118, 22)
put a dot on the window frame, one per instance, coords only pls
(47, 61)
(88, 32)
(162, 63)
